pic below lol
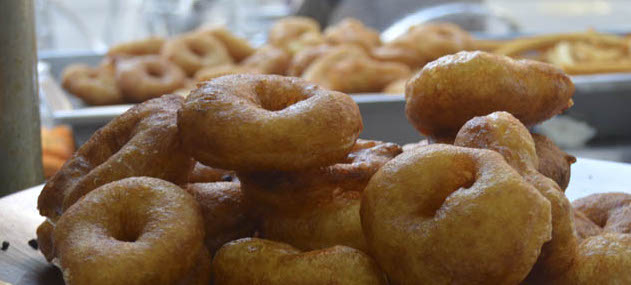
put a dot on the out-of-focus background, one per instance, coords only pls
(70, 31)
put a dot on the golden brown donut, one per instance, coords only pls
(124, 231)
(268, 60)
(352, 31)
(296, 124)
(193, 51)
(211, 72)
(144, 77)
(553, 162)
(95, 86)
(289, 29)
(434, 40)
(610, 211)
(317, 208)
(503, 133)
(45, 241)
(237, 47)
(349, 69)
(225, 212)
(146, 46)
(264, 262)
(584, 226)
(305, 41)
(443, 214)
(412, 58)
(143, 141)
(448, 92)
(206, 174)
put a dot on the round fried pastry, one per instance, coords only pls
(584, 226)
(267, 262)
(122, 233)
(443, 214)
(289, 29)
(610, 211)
(95, 86)
(144, 141)
(237, 47)
(193, 51)
(145, 77)
(448, 92)
(146, 46)
(296, 124)
(268, 60)
(352, 31)
(553, 162)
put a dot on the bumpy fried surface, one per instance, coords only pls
(192, 52)
(150, 45)
(317, 208)
(443, 214)
(610, 211)
(95, 86)
(45, 241)
(553, 162)
(224, 210)
(144, 141)
(434, 40)
(137, 230)
(352, 31)
(212, 72)
(503, 133)
(268, 60)
(264, 262)
(349, 69)
(267, 122)
(584, 226)
(145, 77)
(448, 92)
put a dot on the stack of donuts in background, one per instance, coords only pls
(262, 179)
(347, 57)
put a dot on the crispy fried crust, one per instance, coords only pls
(143, 141)
(553, 162)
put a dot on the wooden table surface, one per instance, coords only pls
(20, 263)
(19, 218)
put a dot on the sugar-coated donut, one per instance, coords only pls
(267, 122)
(442, 214)
(145, 77)
(144, 141)
(138, 230)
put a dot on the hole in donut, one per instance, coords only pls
(197, 49)
(278, 95)
(154, 70)
(448, 181)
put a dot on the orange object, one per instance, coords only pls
(57, 147)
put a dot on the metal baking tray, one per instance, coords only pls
(602, 101)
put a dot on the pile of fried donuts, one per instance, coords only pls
(348, 57)
(262, 179)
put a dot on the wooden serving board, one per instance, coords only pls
(20, 264)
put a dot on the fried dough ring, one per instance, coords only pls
(267, 263)
(448, 92)
(503, 133)
(225, 212)
(304, 58)
(268, 60)
(317, 208)
(289, 29)
(192, 52)
(412, 58)
(144, 77)
(143, 141)
(553, 162)
(95, 86)
(349, 69)
(134, 223)
(212, 72)
(443, 214)
(610, 211)
(296, 124)
(352, 31)
(237, 47)
(584, 226)
(150, 45)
